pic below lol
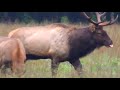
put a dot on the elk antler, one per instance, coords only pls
(112, 21)
(89, 18)
(99, 16)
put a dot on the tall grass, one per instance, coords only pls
(102, 63)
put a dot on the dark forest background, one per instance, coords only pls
(27, 17)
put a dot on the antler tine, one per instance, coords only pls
(102, 14)
(89, 18)
(112, 21)
(99, 15)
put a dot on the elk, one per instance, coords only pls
(12, 55)
(61, 42)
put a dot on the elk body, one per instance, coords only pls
(61, 42)
(12, 55)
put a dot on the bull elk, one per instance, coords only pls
(12, 55)
(61, 42)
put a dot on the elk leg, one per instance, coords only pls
(14, 67)
(54, 67)
(20, 68)
(5, 66)
(3, 69)
(77, 66)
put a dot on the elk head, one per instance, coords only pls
(99, 35)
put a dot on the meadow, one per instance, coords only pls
(102, 63)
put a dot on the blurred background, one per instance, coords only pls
(39, 17)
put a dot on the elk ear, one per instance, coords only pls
(92, 28)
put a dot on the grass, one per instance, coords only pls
(102, 63)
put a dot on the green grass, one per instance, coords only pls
(102, 63)
(102, 66)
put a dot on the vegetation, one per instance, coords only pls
(102, 63)
(64, 19)
(41, 16)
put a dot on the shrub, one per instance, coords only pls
(64, 19)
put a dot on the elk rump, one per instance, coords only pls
(12, 55)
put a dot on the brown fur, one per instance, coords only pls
(61, 43)
(12, 54)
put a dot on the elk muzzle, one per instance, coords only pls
(109, 43)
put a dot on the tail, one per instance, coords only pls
(21, 50)
(18, 57)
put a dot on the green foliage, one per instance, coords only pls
(94, 17)
(64, 19)
(27, 18)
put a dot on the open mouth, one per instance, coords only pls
(111, 46)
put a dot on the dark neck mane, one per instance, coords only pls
(81, 43)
